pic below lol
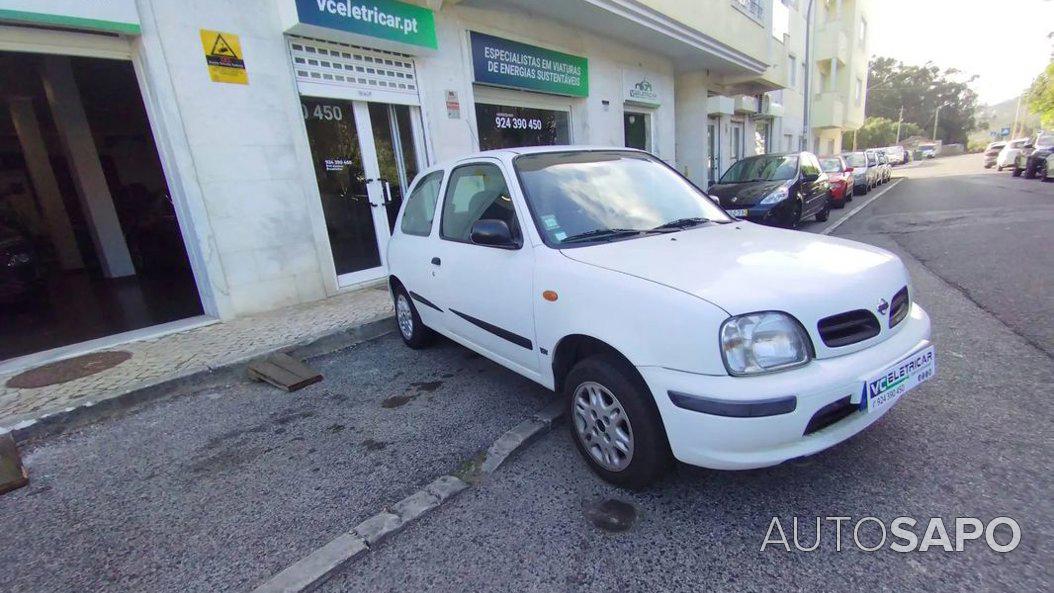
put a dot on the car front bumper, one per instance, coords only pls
(780, 214)
(733, 443)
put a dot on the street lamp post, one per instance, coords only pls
(936, 117)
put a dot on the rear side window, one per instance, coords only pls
(476, 192)
(421, 206)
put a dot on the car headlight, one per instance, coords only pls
(778, 195)
(763, 342)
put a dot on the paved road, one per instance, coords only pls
(216, 491)
(219, 490)
(974, 442)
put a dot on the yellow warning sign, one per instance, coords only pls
(223, 54)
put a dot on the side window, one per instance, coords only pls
(809, 166)
(815, 164)
(421, 206)
(476, 192)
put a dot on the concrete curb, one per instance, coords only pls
(855, 211)
(25, 428)
(317, 567)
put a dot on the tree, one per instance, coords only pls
(878, 132)
(919, 90)
(1040, 96)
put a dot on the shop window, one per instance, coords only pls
(506, 126)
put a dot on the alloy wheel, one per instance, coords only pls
(602, 426)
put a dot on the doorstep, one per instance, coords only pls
(159, 366)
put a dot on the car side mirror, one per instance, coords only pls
(848, 169)
(810, 176)
(1030, 145)
(493, 233)
(710, 184)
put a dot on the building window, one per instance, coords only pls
(792, 71)
(859, 91)
(508, 126)
(751, 7)
(863, 32)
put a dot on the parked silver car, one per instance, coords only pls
(863, 173)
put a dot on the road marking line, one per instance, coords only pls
(321, 564)
(879, 194)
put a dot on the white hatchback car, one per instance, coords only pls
(673, 329)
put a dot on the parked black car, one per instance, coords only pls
(1032, 160)
(775, 189)
(21, 276)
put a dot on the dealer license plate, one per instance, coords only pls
(739, 213)
(884, 389)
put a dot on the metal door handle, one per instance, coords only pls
(387, 191)
(436, 261)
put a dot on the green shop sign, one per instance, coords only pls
(500, 62)
(384, 19)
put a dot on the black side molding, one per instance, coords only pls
(501, 333)
(424, 301)
(732, 409)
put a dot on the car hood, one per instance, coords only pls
(743, 268)
(739, 195)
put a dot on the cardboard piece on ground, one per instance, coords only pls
(284, 371)
(12, 473)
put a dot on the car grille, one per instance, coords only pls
(848, 328)
(898, 307)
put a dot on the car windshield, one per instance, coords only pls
(586, 197)
(1045, 141)
(831, 165)
(767, 167)
(856, 159)
(1017, 143)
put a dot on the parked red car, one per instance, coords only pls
(840, 176)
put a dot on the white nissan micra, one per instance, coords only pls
(672, 329)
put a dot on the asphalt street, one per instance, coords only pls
(218, 490)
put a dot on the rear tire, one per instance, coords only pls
(614, 422)
(412, 330)
(1016, 172)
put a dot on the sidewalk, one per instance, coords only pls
(158, 361)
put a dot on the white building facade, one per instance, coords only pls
(287, 131)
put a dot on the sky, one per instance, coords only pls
(1004, 42)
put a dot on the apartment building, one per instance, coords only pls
(167, 166)
(837, 77)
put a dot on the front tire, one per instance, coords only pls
(614, 422)
(412, 330)
(825, 213)
(1016, 172)
(795, 220)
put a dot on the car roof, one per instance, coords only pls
(516, 151)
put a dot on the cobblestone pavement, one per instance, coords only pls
(171, 356)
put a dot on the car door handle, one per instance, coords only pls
(436, 261)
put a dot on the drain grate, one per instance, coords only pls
(70, 369)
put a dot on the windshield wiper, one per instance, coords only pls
(682, 223)
(602, 234)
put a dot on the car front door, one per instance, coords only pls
(487, 289)
(813, 182)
